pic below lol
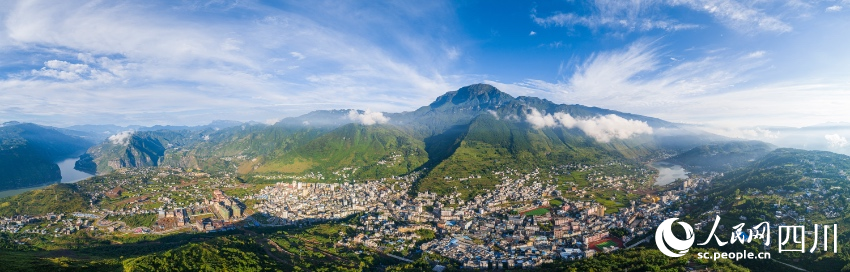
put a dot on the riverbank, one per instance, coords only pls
(69, 175)
(668, 172)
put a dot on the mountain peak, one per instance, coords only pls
(476, 94)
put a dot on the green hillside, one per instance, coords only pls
(221, 254)
(646, 260)
(139, 149)
(236, 148)
(473, 131)
(57, 198)
(788, 168)
(490, 145)
(211, 150)
(786, 186)
(376, 151)
(721, 157)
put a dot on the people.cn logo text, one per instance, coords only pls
(790, 238)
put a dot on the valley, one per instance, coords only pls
(478, 179)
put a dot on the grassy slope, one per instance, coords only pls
(221, 254)
(58, 198)
(492, 145)
(354, 145)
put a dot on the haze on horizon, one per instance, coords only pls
(731, 67)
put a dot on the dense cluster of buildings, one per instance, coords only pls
(511, 226)
(524, 221)
(49, 224)
(299, 202)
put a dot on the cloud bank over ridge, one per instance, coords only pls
(602, 128)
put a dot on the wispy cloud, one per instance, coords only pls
(641, 16)
(756, 54)
(125, 59)
(714, 89)
(737, 16)
(755, 133)
(835, 8)
(628, 16)
(297, 55)
(636, 78)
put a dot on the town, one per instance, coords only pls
(523, 223)
(528, 219)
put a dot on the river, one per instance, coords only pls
(69, 175)
(668, 172)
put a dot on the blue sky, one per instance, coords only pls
(723, 64)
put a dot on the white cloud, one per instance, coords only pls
(737, 16)
(761, 133)
(756, 133)
(835, 140)
(62, 70)
(113, 62)
(271, 121)
(103, 70)
(532, 33)
(639, 79)
(453, 53)
(368, 117)
(539, 120)
(631, 16)
(231, 44)
(624, 16)
(756, 54)
(121, 138)
(602, 128)
(494, 113)
(834, 8)
(297, 55)
(617, 17)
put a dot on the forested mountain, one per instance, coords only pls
(472, 131)
(721, 157)
(29, 152)
(355, 150)
(789, 169)
(784, 187)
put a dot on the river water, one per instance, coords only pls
(69, 175)
(668, 172)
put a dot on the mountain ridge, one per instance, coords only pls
(29, 152)
(474, 123)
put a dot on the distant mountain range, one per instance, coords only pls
(466, 134)
(471, 132)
